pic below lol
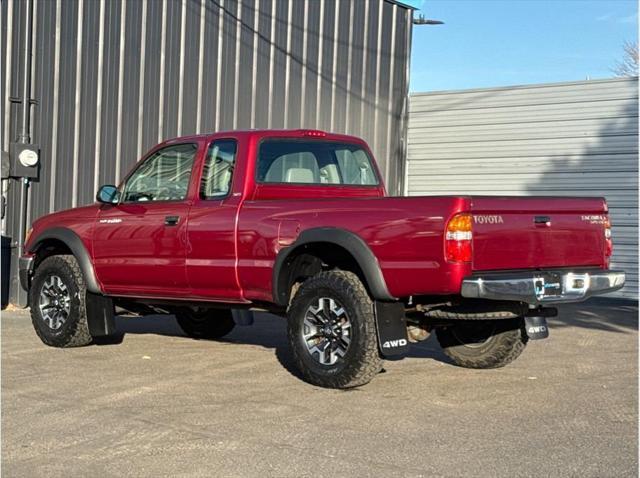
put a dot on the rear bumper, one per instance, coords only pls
(25, 270)
(542, 287)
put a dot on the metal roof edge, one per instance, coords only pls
(614, 79)
(400, 3)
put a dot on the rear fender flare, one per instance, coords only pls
(349, 241)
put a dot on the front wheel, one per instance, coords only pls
(57, 298)
(332, 331)
(483, 343)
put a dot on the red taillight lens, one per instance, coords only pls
(458, 238)
(607, 238)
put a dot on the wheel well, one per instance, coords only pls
(48, 248)
(309, 259)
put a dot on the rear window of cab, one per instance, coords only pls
(314, 162)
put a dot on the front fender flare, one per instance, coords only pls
(75, 244)
(349, 241)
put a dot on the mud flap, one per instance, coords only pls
(392, 329)
(536, 327)
(242, 316)
(100, 315)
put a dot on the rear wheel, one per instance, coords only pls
(205, 323)
(57, 298)
(483, 343)
(332, 331)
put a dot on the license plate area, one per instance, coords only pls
(547, 285)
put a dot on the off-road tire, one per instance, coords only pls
(207, 324)
(74, 332)
(506, 340)
(362, 360)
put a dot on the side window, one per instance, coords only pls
(218, 169)
(164, 176)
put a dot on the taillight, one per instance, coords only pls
(607, 238)
(458, 238)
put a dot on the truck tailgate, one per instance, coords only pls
(538, 232)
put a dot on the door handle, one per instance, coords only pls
(171, 220)
(542, 221)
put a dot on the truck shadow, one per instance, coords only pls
(269, 331)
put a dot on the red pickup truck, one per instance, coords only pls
(298, 223)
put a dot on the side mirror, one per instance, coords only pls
(107, 194)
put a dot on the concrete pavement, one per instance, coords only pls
(161, 404)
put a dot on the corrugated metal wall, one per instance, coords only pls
(577, 139)
(113, 78)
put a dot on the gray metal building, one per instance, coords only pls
(113, 78)
(577, 139)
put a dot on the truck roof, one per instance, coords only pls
(261, 133)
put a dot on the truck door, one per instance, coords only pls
(139, 244)
(211, 256)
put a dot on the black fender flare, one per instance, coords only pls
(349, 241)
(75, 244)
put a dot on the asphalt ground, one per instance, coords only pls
(160, 404)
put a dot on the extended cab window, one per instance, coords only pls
(218, 169)
(314, 162)
(163, 176)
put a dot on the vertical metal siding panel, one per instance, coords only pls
(342, 50)
(6, 27)
(55, 123)
(66, 103)
(236, 64)
(382, 87)
(254, 64)
(403, 53)
(390, 117)
(77, 104)
(181, 67)
(190, 67)
(122, 43)
(210, 96)
(310, 94)
(246, 56)
(279, 59)
(169, 92)
(227, 85)
(141, 77)
(42, 92)
(326, 70)
(261, 107)
(370, 78)
(576, 138)
(356, 87)
(296, 59)
(303, 63)
(152, 76)
(88, 112)
(109, 125)
(319, 63)
(131, 96)
(202, 17)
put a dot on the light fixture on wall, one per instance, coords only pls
(422, 20)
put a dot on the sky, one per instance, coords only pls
(486, 43)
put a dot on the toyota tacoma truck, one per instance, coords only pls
(298, 223)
